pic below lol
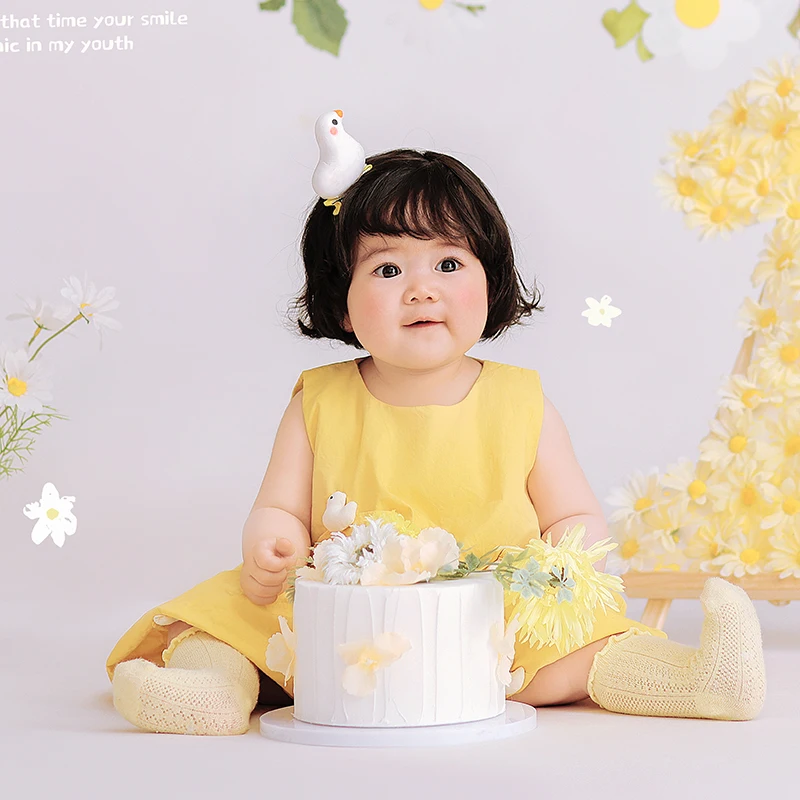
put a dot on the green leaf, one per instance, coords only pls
(321, 23)
(272, 5)
(641, 51)
(472, 561)
(624, 25)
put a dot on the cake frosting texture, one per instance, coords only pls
(443, 671)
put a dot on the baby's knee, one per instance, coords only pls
(175, 629)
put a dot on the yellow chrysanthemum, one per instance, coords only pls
(678, 190)
(666, 520)
(742, 555)
(635, 551)
(780, 81)
(567, 625)
(716, 213)
(785, 555)
(695, 487)
(775, 123)
(779, 356)
(785, 498)
(733, 115)
(703, 546)
(745, 489)
(740, 392)
(731, 441)
(779, 262)
(754, 186)
(757, 317)
(784, 203)
(778, 447)
(639, 495)
(688, 149)
(728, 158)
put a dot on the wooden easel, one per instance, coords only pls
(660, 588)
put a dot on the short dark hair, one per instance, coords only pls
(423, 194)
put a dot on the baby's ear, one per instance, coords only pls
(346, 323)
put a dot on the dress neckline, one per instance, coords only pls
(360, 378)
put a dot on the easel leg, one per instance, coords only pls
(655, 613)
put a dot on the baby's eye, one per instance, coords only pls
(454, 261)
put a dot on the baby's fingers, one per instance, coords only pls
(265, 558)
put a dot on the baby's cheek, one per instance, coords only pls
(472, 298)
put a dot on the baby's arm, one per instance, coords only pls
(558, 489)
(277, 535)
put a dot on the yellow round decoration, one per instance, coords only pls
(697, 13)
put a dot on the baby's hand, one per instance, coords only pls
(266, 569)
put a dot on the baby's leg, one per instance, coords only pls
(564, 681)
(207, 687)
(637, 673)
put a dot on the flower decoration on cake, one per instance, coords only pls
(365, 658)
(281, 651)
(503, 643)
(552, 589)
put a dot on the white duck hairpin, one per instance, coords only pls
(341, 159)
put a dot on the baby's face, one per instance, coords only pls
(399, 279)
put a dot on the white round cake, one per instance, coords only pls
(397, 656)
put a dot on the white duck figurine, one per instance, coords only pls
(341, 159)
(338, 516)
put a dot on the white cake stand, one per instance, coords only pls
(280, 724)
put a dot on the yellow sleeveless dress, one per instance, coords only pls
(462, 467)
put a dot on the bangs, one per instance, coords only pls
(424, 204)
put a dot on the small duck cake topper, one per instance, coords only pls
(341, 159)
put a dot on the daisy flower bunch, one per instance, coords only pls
(744, 167)
(24, 385)
(735, 511)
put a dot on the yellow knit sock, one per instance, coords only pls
(637, 673)
(207, 688)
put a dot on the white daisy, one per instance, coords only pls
(54, 516)
(600, 313)
(343, 558)
(699, 29)
(22, 382)
(43, 315)
(91, 304)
